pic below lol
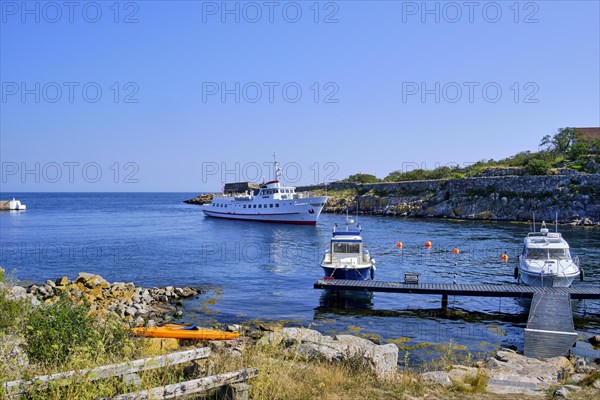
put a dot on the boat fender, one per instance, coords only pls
(516, 273)
(581, 275)
(372, 273)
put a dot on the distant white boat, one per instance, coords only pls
(273, 203)
(547, 261)
(15, 205)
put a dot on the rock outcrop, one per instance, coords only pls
(200, 199)
(575, 197)
(133, 304)
(510, 373)
(382, 359)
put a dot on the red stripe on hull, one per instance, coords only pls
(268, 221)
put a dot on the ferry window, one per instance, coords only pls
(270, 205)
(244, 206)
(260, 206)
(277, 205)
(255, 206)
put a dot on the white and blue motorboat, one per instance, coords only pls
(346, 257)
(547, 261)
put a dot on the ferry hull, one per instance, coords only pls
(296, 212)
(257, 218)
(294, 219)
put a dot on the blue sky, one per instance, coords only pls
(181, 95)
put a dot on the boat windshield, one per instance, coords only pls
(559, 253)
(536, 253)
(548, 253)
(346, 247)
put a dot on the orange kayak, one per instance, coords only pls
(185, 332)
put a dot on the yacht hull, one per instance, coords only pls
(546, 280)
(350, 273)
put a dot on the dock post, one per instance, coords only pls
(444, 301)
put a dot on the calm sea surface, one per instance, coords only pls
(267, 271)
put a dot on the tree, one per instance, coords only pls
(561, 142)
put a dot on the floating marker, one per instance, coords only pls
(428, 244)
(504, 257)
(456, 250)
(399, 245)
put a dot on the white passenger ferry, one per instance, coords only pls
(273, 203)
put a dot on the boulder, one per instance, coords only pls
(63, 281)
(512, 373)
(437, 377)
(382, 359)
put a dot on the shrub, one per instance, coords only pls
(537, 167)
(10, 314)
(362, 178)
(56, 331)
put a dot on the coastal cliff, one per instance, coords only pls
(575, 197)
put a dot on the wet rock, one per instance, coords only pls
(595, 340)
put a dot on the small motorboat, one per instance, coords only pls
(547, 261)
(184, 332)
(346, 257)
(15, 205)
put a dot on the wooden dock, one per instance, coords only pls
(549, 332)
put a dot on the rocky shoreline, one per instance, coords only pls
(135, 305)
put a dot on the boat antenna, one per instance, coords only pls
(534, 222)
(276, 168)
(556, 222)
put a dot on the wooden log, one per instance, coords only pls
(196, 386)
(145, 364)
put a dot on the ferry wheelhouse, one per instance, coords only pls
(547, 261)
(274, 202)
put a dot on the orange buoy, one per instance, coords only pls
(428, 244)
(399, 245)
(456, 250)
(504, 257)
